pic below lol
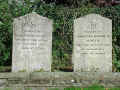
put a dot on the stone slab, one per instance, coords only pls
(32, 43)
(92, 44)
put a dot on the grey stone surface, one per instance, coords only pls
(2, 82)
(32, 43)
(62, 79)
(92, 44)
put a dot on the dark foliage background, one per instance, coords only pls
(63, 12)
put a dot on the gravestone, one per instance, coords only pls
(32, 43)
(92, 44)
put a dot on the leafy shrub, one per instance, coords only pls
(63, 28)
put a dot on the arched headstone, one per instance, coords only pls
(92, 44)
(32, 43)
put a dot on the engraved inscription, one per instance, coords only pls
(32, 43)
(91, 37)
(92, 44)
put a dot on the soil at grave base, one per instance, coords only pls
(5, 68)
(64, 69)
(67, 69)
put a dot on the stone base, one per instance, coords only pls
(59, 79)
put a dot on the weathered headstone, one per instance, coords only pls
(92, 44)
(32, 43)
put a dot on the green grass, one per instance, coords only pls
(93, 87)
(70, 88)
(53, 89)
(28, 88)
(7, 89)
